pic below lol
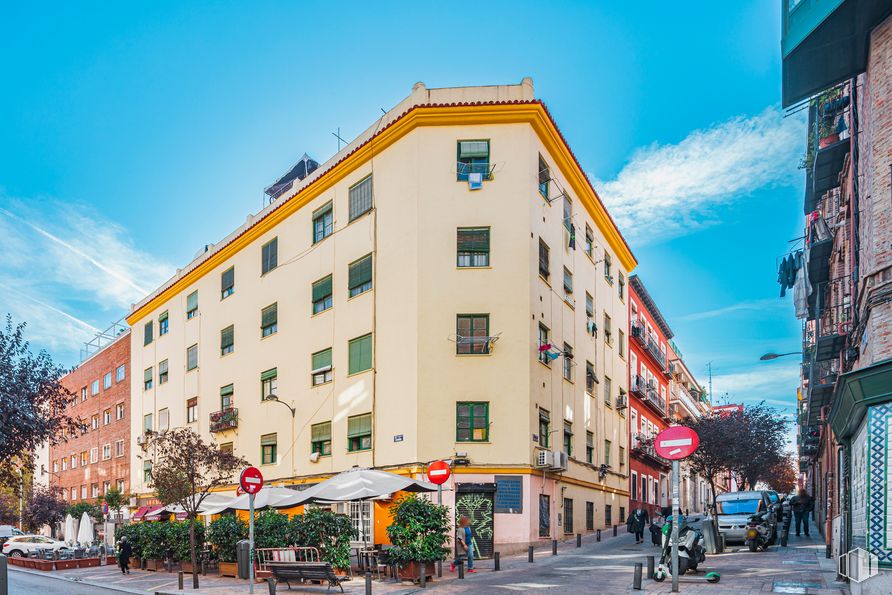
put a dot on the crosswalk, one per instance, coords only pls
(525, 586)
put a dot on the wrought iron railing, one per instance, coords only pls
(225, 419)
(655, 350)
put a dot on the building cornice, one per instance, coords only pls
(515, 112)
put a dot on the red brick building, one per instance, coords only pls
(91, 461)
(648, 398)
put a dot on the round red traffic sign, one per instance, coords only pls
(676, 442)
(438, 472)
(251, 480)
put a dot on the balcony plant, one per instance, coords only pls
(419, 532)
(224, 534)
(326, 531)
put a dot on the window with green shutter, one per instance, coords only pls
(473, 247)
(359, 277)
(472, 334)
(322, 292)
(147, 338)
(568, 438)
(361, 198)
(227, 283)
(544, 178)
(269, 383)
(320, 436)
(147, 378)
(192, 357)
(268, 448)
(269, 256)
(590, 448)
(227, 340)
(472, 422)
(163, 324)
(269, 320)
(162, 372)
(226, 396)
(473, 158)
(360, 354)
(359, 432)
(323, 223)
(192, 305)
(321, 370)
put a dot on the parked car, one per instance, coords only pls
(22, 545)
(7, 531)
(734, 509)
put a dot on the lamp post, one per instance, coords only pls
(275, 398)
(770, 355)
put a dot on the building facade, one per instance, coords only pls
(89, 462)
(836, 62)
(649, 379)
(448, 286)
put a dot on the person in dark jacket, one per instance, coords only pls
(802, 505)
(124, 553)
(636, 523)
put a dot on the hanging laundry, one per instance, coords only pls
(475, 181)
(551, 355)
(572, 237)
(801, 287)
(786, 271)
(544, 347)
(591, 327)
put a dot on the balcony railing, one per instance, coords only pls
(225, 419)
(654, 349)
(639, 333)
(643, 446)
(680, 395)
(639, 386)
(654, 398)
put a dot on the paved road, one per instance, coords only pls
(23, 583)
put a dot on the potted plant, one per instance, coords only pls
(224, 534)
(154, 546)
(419, 533)
(326, 531)
(827, 123)
(179, 535)
(134, 536)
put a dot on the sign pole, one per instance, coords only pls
(251, 543)
(675, 523)
(439, 502)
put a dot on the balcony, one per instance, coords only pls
(824, 42)
(639, 333)
(225, 419)
(643, 448)
(639, 386)
(680, 396)
(819, 248)
(834, 318)
(649, 395)
(655, 351)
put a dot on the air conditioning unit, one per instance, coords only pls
(559, 460)
(141, 439)
(545, 458)
(621, 402)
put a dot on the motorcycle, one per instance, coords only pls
(758, 532)
(690, 549)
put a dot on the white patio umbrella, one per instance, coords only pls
(364, 484)
(70, 529)
(85, 530)
(273, 496)
(211, 503)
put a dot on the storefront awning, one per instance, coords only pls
(855, 392)
(145, 510)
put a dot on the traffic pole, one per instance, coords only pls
(251, 543)
(675, 506)
(439, 503)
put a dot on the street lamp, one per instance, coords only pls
(771, 356)
(275, 398)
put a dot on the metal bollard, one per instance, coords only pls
(271, 585)
(650, 566)
(614, 530)
(204, 568)
(530, 554)
(636, 579)
(579, 540)
(461, 569)
(497, 559)
(422, 575)
(598, 535)
(368, 582)
(180, 580)
(439, 568)
(554, 547)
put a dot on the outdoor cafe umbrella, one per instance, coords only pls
(70, 529)
(85, 530)
(274, 496)
(210, 504)
(364, 484)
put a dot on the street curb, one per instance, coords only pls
(76, 582)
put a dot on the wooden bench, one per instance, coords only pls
(305, 571)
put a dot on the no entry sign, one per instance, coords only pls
(251, 480)
(676, 443)
(438, 472)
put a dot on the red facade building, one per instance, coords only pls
(648, 398)
(95, 459)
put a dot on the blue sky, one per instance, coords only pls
(132, 134)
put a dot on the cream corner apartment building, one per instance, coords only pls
(447, 286)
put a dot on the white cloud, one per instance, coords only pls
(670, 190)
(773, 382)
(764, 306)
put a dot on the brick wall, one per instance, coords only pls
(108, 431)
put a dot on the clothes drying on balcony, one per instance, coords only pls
(786, 271)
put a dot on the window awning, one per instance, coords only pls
(145, 510)
(855, 392)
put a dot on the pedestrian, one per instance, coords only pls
(124, 552)
(636, 523)
(802, 505)
(465, 542)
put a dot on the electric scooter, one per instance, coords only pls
(690, 549)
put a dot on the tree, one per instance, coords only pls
(115, 500)
(32, 404)
(782, 477)
(759, 439)
(9, 507)
(186, 469)
(77, 510)
(44, 506)
(716, 449)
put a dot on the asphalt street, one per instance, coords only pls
(24, 583)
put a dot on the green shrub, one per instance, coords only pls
(330, 533)
(419, 531)
(132, 531)
(178, 535)
(224, 534)
(270, 529)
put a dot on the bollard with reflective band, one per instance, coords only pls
(368, 582)
(636, 578)
(650, 566)
(554, 547)
(578, 540)
(598, 535)
(180, 580)
(530, 554)
(497, 559)
(461, 569)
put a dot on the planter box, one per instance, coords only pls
(17, 561)
(43, 565)
(66, 564)
(186, 567)
(410, 570)
(135, 563)
(828, 140)
(154, 564)
(28, 562)
(87, 562)
(228, 569)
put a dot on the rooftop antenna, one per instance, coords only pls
(709, 371)
(337, 135)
